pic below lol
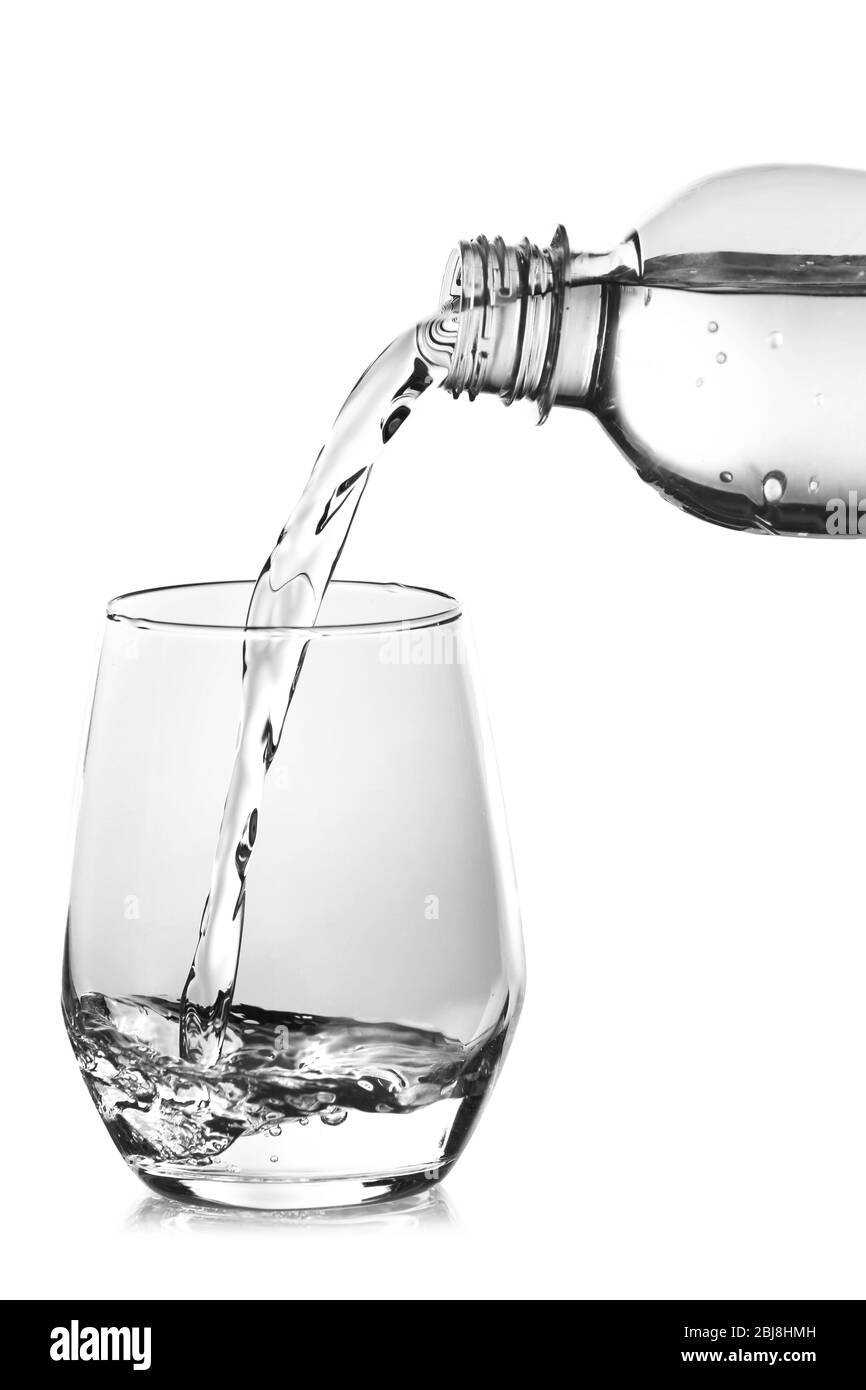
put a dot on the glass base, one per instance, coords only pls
(280, 1194)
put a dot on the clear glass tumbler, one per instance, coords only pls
(381, 968)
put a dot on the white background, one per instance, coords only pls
(211, 217)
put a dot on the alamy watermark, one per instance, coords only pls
(437, 645)
(846, 517)
(77, 1343)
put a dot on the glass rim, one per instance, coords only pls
(450, 611)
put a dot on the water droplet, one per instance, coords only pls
(304, 1120)
(275, 1132)
(775, 339)
(814, 484)
(726, 477)
(334, 1115)
(700, 381)
(774, 487)
(275, 1158)
(721, 358)
(712, 326)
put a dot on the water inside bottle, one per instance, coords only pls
(734, 386)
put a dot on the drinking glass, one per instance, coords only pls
(381, 967)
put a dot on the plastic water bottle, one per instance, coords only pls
(722, 345)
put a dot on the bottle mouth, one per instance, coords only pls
(509, 306)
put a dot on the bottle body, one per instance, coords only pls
(747, 410)
(723, 348)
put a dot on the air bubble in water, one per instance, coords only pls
(275, 1132)
(304, 1120)
(334, 1115)
(774, 487)
(726, 477)
(721, 358)
(814, 484)
(275, 1158)
(712, 326)
(366, 1085)
(700, 381)
(775, 339)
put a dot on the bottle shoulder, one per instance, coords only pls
(799, 227)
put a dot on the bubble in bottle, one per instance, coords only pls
(813, 485)
(304, 1120)
(712, 326)
(700, 381)
(775, 339)
(726, 477)
(275, 1132)
(774, 487)
(275, 1158)
(721, 358)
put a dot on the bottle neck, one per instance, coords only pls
(530, 320)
